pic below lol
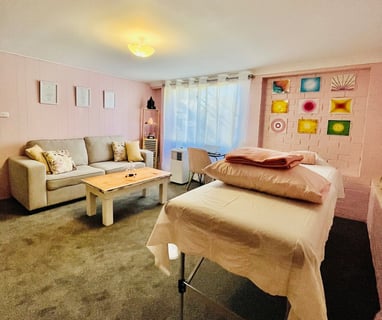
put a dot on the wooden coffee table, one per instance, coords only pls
(112, 185)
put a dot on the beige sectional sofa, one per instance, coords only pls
(34, 188)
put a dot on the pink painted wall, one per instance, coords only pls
(19, 93)
(359, 155)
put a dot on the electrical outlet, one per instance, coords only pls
(4, 114)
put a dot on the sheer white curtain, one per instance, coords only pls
(207, 114)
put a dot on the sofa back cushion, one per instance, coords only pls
(100, 149)
(75, 146)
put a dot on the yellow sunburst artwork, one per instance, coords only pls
(307, 126)
(280, 106)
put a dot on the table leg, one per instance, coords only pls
(91, 203)
(144, 193)
(107, 212)
(163, 192)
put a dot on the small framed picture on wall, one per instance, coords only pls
(281, 86)
(310, 84)
(82, 96)
(48, 92)
(108, 99)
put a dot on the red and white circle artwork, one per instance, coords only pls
(308, 105)
(278, 125)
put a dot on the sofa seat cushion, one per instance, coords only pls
(71, 178)
(113, 166)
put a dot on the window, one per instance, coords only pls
(206, 114)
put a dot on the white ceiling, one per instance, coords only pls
(194, 37)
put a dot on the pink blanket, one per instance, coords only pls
(264, 158)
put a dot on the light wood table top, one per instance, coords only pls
(118, 180)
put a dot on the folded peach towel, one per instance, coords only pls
(264, 157)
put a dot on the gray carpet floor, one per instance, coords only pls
(59, 263)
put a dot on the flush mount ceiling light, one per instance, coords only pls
(141, 50)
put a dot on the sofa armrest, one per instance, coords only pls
(27, 180)
(148, 157)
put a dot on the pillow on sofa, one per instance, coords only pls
(297, 182)
(59, 161)
(133, 151)
(119, 151)
(36, 153)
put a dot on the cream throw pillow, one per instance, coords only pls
(297, 182)
(119, 151)
(36, 153)
(133, 151)
(59, 161)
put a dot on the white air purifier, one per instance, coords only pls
(179, 166)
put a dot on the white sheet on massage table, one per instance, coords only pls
(275, 242)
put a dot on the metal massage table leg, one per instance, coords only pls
(183, 283)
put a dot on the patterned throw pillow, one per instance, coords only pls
(59, 161)
(119, 151)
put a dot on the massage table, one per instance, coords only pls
(277, 243)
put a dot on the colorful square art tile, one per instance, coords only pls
(340, 105)
(278, 125)
(339, 127)
(280, 106)
(308, 105)
(281, 86)
(343, 82)
(307, 126)
(310, 84)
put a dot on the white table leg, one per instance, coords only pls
(163, 192)
(144, 192)
(107, 212)
(91, 203)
